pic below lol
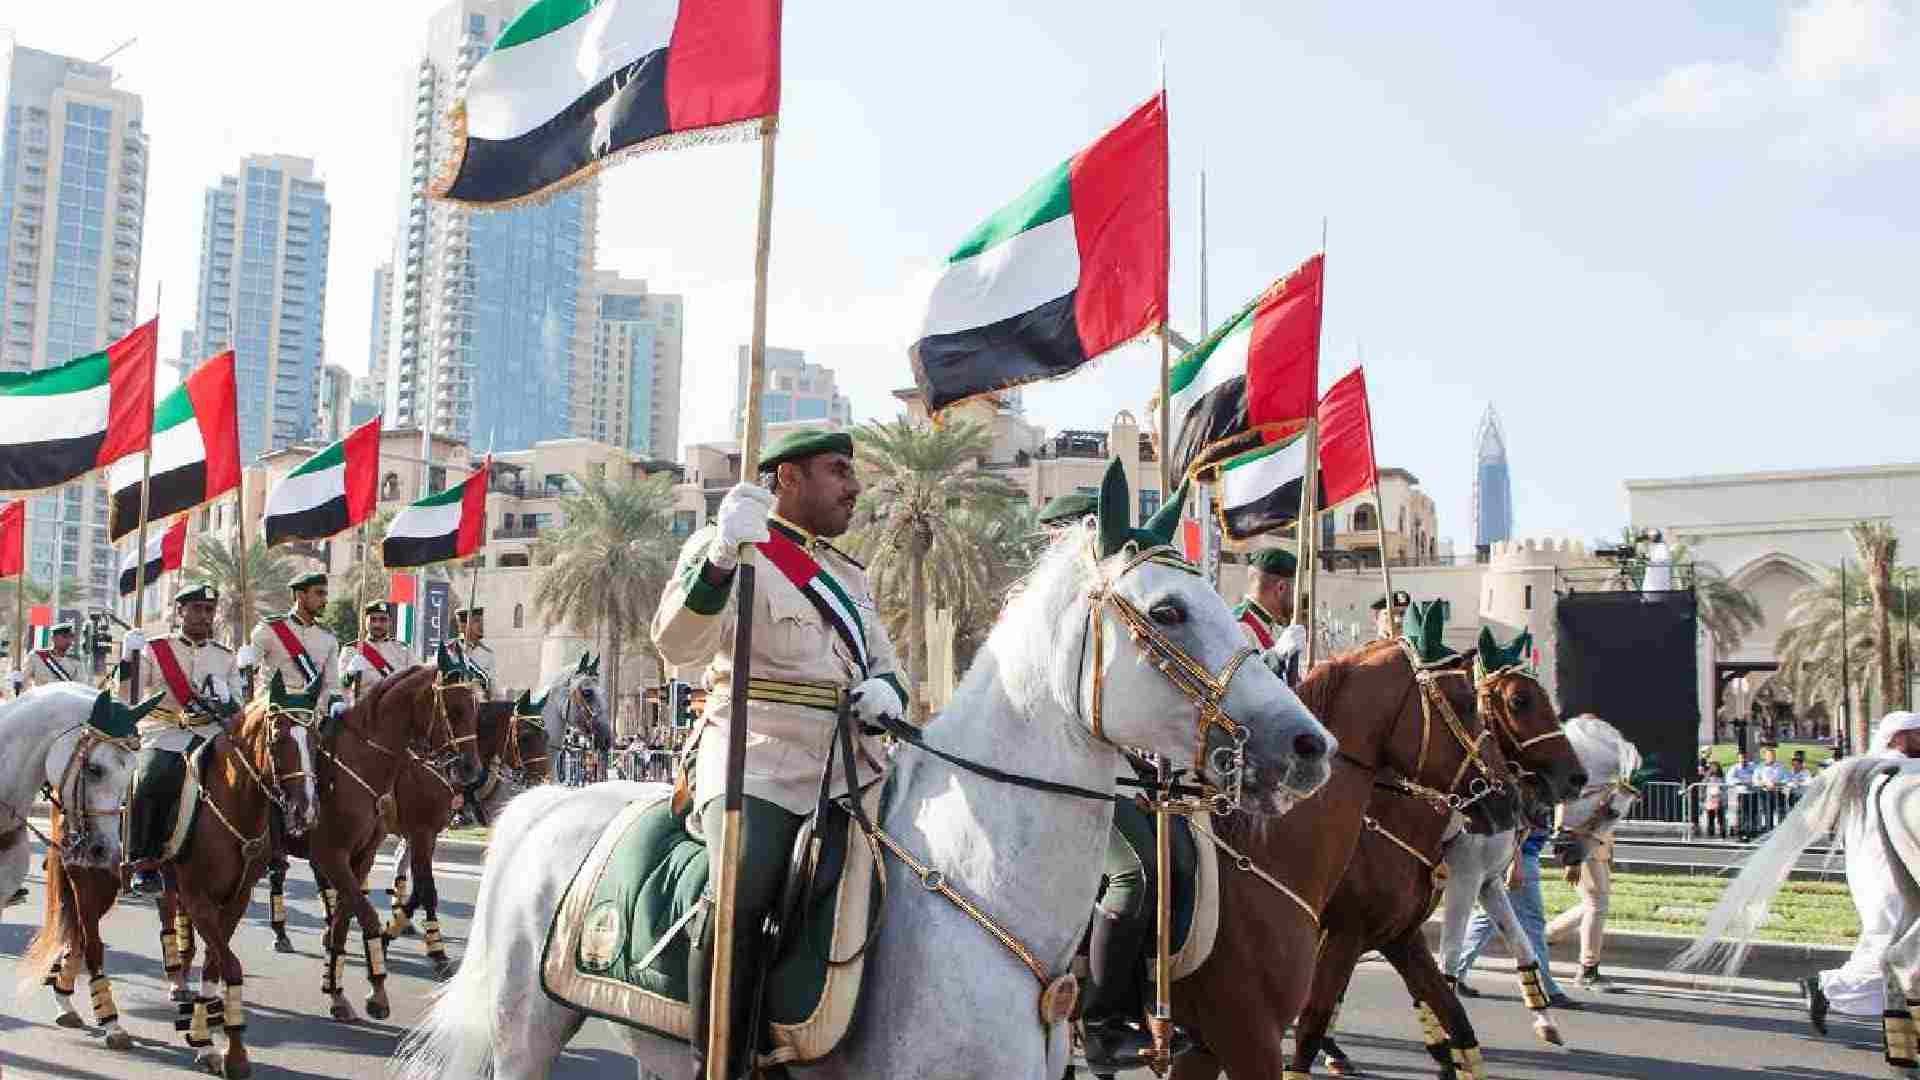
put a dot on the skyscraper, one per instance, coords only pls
(1492, 486)
(373, 385)
(73, 189)
(263, 293)
(794, 390)
(333, 404)
(492, 309)
(630, 392)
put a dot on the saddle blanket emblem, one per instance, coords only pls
(618, 944)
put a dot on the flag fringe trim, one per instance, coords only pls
(1216, 456)
(738, 131)
(1091, 364)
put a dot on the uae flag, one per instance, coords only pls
(13, 539)
(1260, 492)
(1072, 268)
(572, 84)
(402, 595)
(40, 626)
(1254, 379)
(450, 525)
(196, 450)
(167, 551)
(1346, 439)
(330, 492)
(61, 423)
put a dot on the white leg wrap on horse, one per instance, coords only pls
(192, 1019)
(336, 967)
(1431, 1029)
(1903, 1042)
(1468, 1063)
(104, 1010)
(170, 950)
(1531, 989)
(376, 948)
(435, 947)
(277, 908)
(235, 1012)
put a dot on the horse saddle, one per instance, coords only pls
(166, 795)
(1195, 878)
(618, 945)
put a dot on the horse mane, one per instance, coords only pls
(1030, 631)
(1324, 682)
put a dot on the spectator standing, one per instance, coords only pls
(1772, 776)
(1713, 788)
(1741, 780)
(1798, 777)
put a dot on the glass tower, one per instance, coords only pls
(1492, 485)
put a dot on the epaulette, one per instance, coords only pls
(218, 644)
(350, 644)
(858, 565)
(282, 617)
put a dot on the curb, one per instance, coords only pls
(1767, 961)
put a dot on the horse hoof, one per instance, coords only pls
(378, 1009)
(211, 1062)
(343, 1012)
(119, 1040)
(238, 1069)
(282, 945)
(1342, 1067)
(1549, 1034)
(70, 1021)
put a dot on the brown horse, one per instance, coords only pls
(77, 899)
(514, 748)
(359, 768)
(1390, 712)
(1397, 877)
(262, 767)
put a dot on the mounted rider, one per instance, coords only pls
(818, 641)
(376, 654)
(470, 649)
(196, 677)
(1389, 626)
(51, 665)
(1266, 613)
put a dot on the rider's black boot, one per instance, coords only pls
(1114, 1034)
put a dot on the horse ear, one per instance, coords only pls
(443, 661)
(1488, 650)
(146, 706)
(1113, 510)
(1521, 651)
(1159, 529)
(1425, 628)
(594, 668)
(581, 668)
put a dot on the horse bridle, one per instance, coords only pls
(451, 746)
(1494, 703)
(276, 787)
(1433, 701)
(75, 775)
(516, 725)
(1191, 678)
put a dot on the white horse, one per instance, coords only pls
(943, 998)
(46, 738)
(1864, 797)
(1477, 863)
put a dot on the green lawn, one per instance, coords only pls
(1727, 753)
(1820, 912)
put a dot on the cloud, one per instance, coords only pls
(1843, 82)
(1811, 334)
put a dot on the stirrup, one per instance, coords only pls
(1113, 1045)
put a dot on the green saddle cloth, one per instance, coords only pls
(164, 804)
(1137, 826)
(635, 900)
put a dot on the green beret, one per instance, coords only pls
(60, 628)
(1401, 598)
(1067, 509)
(307, 581)
(378, 607)
(798, 445)
(203, 591)
(1273, 561)
(461, 615)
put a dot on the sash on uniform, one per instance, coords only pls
(46, 657)
(290, 641)
(821, 590)
(372, 656)
(1253, 622)
(172, 673)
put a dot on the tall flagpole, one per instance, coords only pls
(20, 597)
(1308, 570)
(727, 868)
(1166, 348)
(243, 562)
(1379, 504)
(140, 545)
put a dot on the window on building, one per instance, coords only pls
(683, 523)
(519, 616)
(1363, 518)
(515, 559)
(1149, 503)
(436, 479)
(1527, 603)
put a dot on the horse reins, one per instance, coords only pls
(75, 775)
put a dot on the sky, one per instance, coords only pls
(1660, 240)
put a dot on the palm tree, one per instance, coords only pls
(922, 483)
(1878, 546)
(607, 563)
(265, 569)
(1810, 649)
(1729, 612)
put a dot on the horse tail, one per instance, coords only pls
(454, 1041)
(1733, 923)
(61, 926)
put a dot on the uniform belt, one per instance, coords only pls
(824, 696)
(171, 716)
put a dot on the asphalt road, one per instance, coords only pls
(1656, 1029)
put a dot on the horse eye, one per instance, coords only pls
(1168, 613)
(95, 772)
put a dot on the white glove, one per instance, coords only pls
(356, 663)
(244, 657)
(134, 641)
(16, 679)
(217, 688)
(742, 520)
(1292, 639)
(334, 710)
(874, 699)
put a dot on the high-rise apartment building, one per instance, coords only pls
(1492, 485)
(373, 385)
(630, 391)
(333, 408)
(73, 190)
(263, 293)
(794, 390)
(492, 310)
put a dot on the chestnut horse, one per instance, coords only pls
(262, 767)
(1397, 876)
(512, 746)
(77, 899)
(1389, 712)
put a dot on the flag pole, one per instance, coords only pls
(20, 597)
(140, 548)
(1379, 505)
(1166, 348)
(243, 562)
(1310, 481)
(727, 868)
